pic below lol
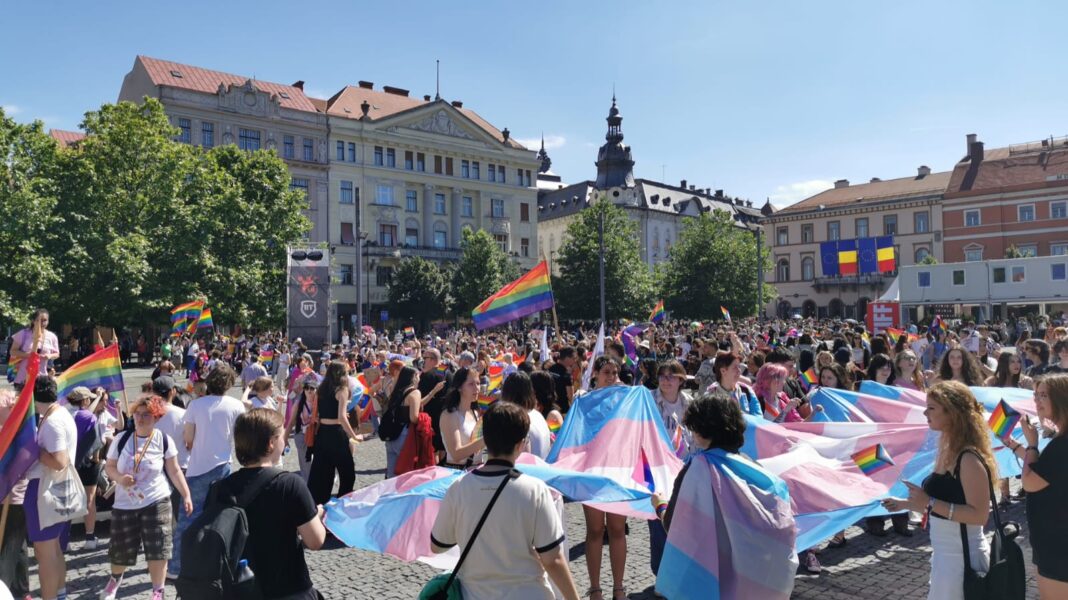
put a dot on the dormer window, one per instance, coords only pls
(284, 95)
(176, 73)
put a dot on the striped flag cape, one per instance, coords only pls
(102, 368)
(18, 436)
(732, 533)
(524, 296)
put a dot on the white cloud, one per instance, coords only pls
(11, 109)
(785, 195)
(551, 142)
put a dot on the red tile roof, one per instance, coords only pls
(66, 138)
(204, 80)
(873, 192)
(1001, 171)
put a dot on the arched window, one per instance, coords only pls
(782, 271)
(922, 253)
(808, 268)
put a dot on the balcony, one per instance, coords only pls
(875, 280)
(373, 249)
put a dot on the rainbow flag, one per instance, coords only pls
(873, 459)
(658, 312)
(809, 378)
(895, 335)
(1004, 419)
(102, 368)
(205, 322)
(726, 313)
(524, 296)
(555, 423)
(185, 315)
(937, 324)
(493, 390)
(266, 356)
(409, 332)
(18, 436)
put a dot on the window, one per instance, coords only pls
(474, 170)
(340, 150)
(782, 271)
(391, 158)
(347, 236)
(409, 160)
(971, 218)
(387, 235)
(448, 165)
(345, 273)
(806, 233)
(808, 268)
(185, 134)
(249, 139)
(524, 247)
(1025, 213)
(207, 135)
(1057, 271)
(527, 173)
(862, 227)
(1028, 250)
(889, 224)
(500, 174)
(1058, 249)
(998, 275)
(921, 222)
(439, 204)
(309, 149)
(782, 236)
(492, 172)
(438, 165)
(346, 192)
(383, 276)
(352, 152)
(467, 207)
(497, 208)
(921, 253)
(834, 230)
(1058, 210)
(524, 212)
(958, 277)
(440, 237)
(465, 169)
(287, 147)
(300, 184)
(923, 279)
(1019, 274)
(973, 254)
(411, 201)
(519, 177)
(384, 195)
(379, 161)
(502, 241)
(420, 162)
(411, 236)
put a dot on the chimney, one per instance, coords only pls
(875, 180)
(367, 85)
(719, 193)
(975, 151)
(682, 184)
(299, 84)
(841, 183)
(506, 133)
(395, 90)
(693, 187)
(923, 171)
(970, 139)
(749, 204)
(426, 97)
(457, 104)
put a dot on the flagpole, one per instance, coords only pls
(556, 323)
(3, 519)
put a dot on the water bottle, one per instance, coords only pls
(244, 572)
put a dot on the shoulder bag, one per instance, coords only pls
(1006, 578)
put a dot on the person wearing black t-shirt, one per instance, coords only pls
(561, 371)
(432, 384)
(282, 519)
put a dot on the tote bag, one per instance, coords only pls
(60, 497)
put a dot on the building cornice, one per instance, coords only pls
(853, 209)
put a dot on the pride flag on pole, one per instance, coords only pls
(726, 313)
(1004, 419)
(101, 368)
(524, 296)
(205, 321)
(658, 312)
(18, 436)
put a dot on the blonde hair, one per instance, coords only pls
(965, 428)
(1057, 390)
(917, 370)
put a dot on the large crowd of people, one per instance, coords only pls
(161, 461)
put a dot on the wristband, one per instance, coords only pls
(661, 507)
(951, 508)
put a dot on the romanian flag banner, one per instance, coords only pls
(101, 368)
(18, 436)
(524, 296)
(847, 257)
(658, 313)
(829, 258)
(884, 251)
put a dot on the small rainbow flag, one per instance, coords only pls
(658, 313)
(938, 324)
(895, 335)
(205, 321)
(679, 442)
(726, 313)
(525, 296)
(102, 368)
(1004, 419)
(555, 423)
(872, 460)
(409, 332)
(809, 378)
(266, 356)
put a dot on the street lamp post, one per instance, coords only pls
(370, 267)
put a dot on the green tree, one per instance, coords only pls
(928, 260)
(628, 281)
(28, 163)
(482, 270)
(1013, 252)
(417, 291)
(713, 264)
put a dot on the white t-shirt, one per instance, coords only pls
(150, 481)
(173, 424)
(524, 521)
(55, 433)
(539, 435)
(213, 440)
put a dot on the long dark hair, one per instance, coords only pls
(452, 400)
(1003, 377)
(969, 368)
(544, 392)
(879, 361)
(404, 384)
(336, 378)
(518, 389)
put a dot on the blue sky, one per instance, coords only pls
(760, 99)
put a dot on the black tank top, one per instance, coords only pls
(945, 487)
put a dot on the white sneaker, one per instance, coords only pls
(90, 544)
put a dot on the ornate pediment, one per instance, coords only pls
(441, 123)
(248, 99)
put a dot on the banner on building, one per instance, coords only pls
(883, 315)
(308, 295)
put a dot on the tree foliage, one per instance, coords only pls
(483, 269)
(418, 291)
(628, 282)
(713, 264)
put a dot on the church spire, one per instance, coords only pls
(543, 157)
(615, 167)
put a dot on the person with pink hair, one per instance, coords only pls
(770, 381)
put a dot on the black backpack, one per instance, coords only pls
(215, 541)
(392, 423)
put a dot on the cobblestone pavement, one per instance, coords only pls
(893, 567)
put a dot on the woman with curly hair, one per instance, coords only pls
(958, 491)
(959, 365)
